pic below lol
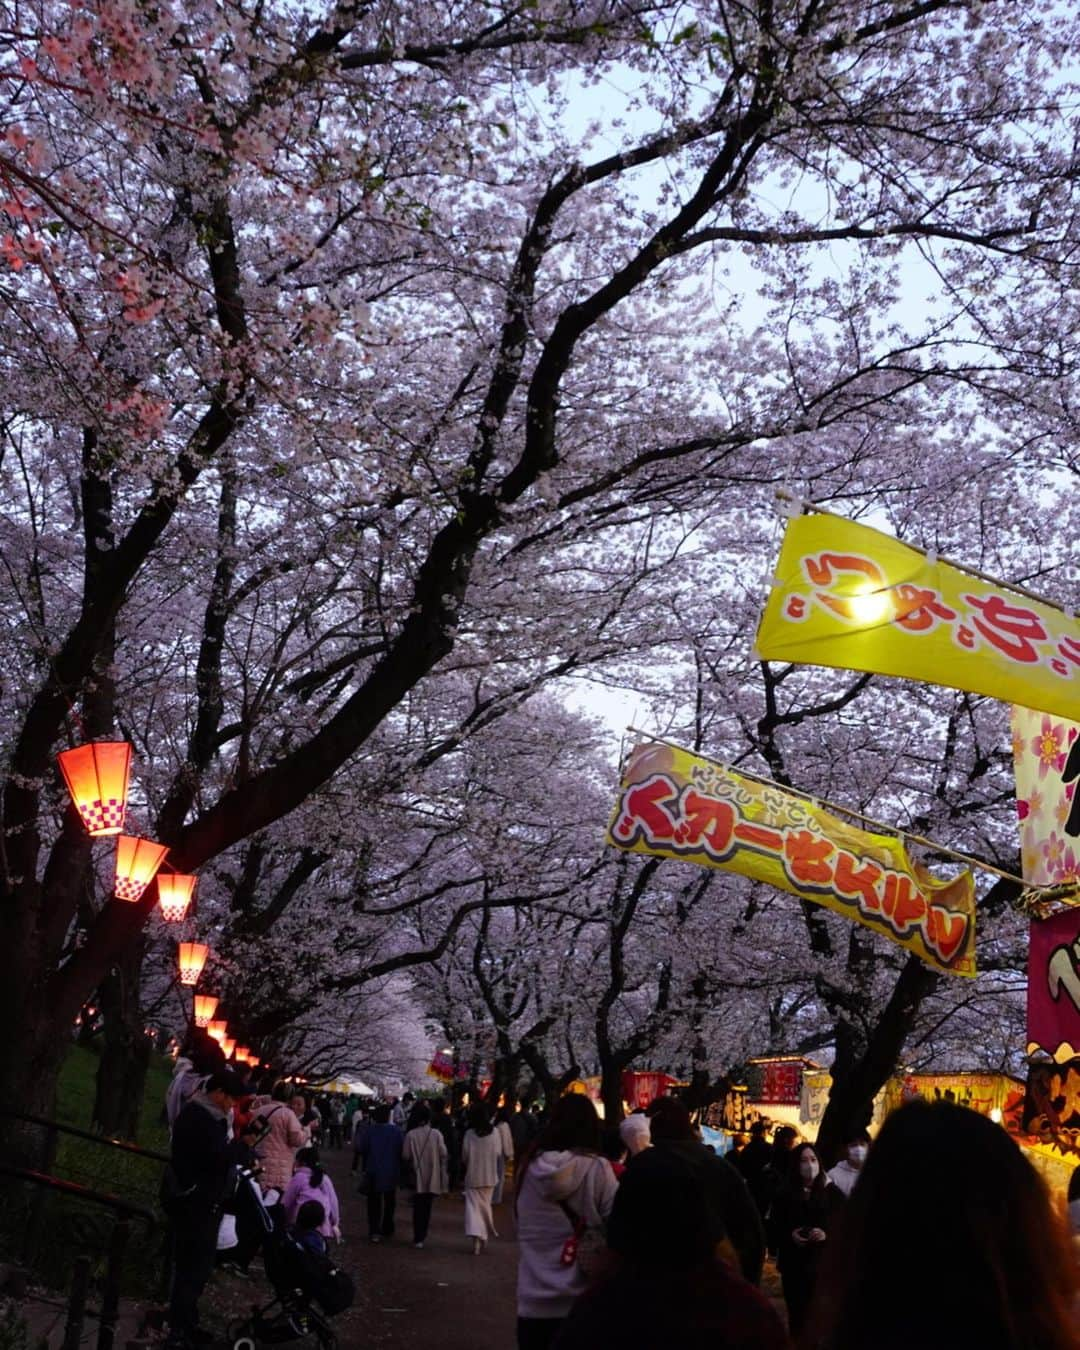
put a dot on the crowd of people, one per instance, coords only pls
(938, 1235)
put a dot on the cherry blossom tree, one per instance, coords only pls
(348, 350)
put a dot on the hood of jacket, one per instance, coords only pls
(201, 1099)
(559, 1172)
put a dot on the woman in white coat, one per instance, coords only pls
(482, 1156)
(425, 1151)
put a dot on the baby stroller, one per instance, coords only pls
(301, 1279)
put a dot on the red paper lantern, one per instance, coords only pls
(192, 958)
(174, 894)
(205, 1007)
(97, 779)
(137, 862)
(217, 1030)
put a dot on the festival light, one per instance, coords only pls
(97, 779)
(174, 894)
(137, 862)
(242, 1055)
(205, 1007)
(192, 958)
(217, 1031)
(228, 1046)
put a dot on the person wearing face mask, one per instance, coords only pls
(846, 1172)
(800, 1223)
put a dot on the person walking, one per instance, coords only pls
(310, 1182)
(506, 1137)
(199, 1171)
(425, 1152)
(846, 1172)
(753, 1161)
(484, 1163)
(635, 1133)
(799, 1225)
(442, 1121)
(281, 1135)
(380, 1146)
(668, 1287)
(736, 1223)
(565, 1190)
(950, 1185)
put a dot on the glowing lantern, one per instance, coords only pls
(205, 1008)
(192, 959)
(228, 1046)
(97, 778)
(137, 862)
(217, 1031)
(243, 1055)
(174, 895)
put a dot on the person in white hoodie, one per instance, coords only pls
(564, 1187)
(846, 1172)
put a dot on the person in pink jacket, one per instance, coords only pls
(310, 1182)
(283, 1136)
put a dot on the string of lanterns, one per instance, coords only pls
(97, 776)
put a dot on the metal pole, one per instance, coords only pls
(110, 1294)
(80, 1280)
(40, 1200)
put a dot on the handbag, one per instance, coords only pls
(585, 1247)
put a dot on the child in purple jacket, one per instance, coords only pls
(310, 1182)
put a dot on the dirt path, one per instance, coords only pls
(441, 1296)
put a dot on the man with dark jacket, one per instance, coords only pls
(676, 1152)
(201, 1162)
(752, 1162)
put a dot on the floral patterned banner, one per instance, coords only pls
(1046, 754)
(848, 596)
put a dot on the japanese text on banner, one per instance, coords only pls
(676, 805)
(851, 597)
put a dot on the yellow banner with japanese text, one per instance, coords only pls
(676, 805)
(848, 596)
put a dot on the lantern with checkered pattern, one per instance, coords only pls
(97, 779)
(137, 862)
(174, 895)
(191, 959)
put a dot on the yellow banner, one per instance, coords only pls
(676, 805)
(851, 597)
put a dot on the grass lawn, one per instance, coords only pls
(71, 1227)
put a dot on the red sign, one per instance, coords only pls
(781, 1083)
(640, 1089)
(1053, 998)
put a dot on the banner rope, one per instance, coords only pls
(809, 507)
(1033, 894)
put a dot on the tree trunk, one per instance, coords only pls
(611, 1094)
(125, 1054)
(859, 1077)
(32, 1047)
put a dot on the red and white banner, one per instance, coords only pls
(1053, 998)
